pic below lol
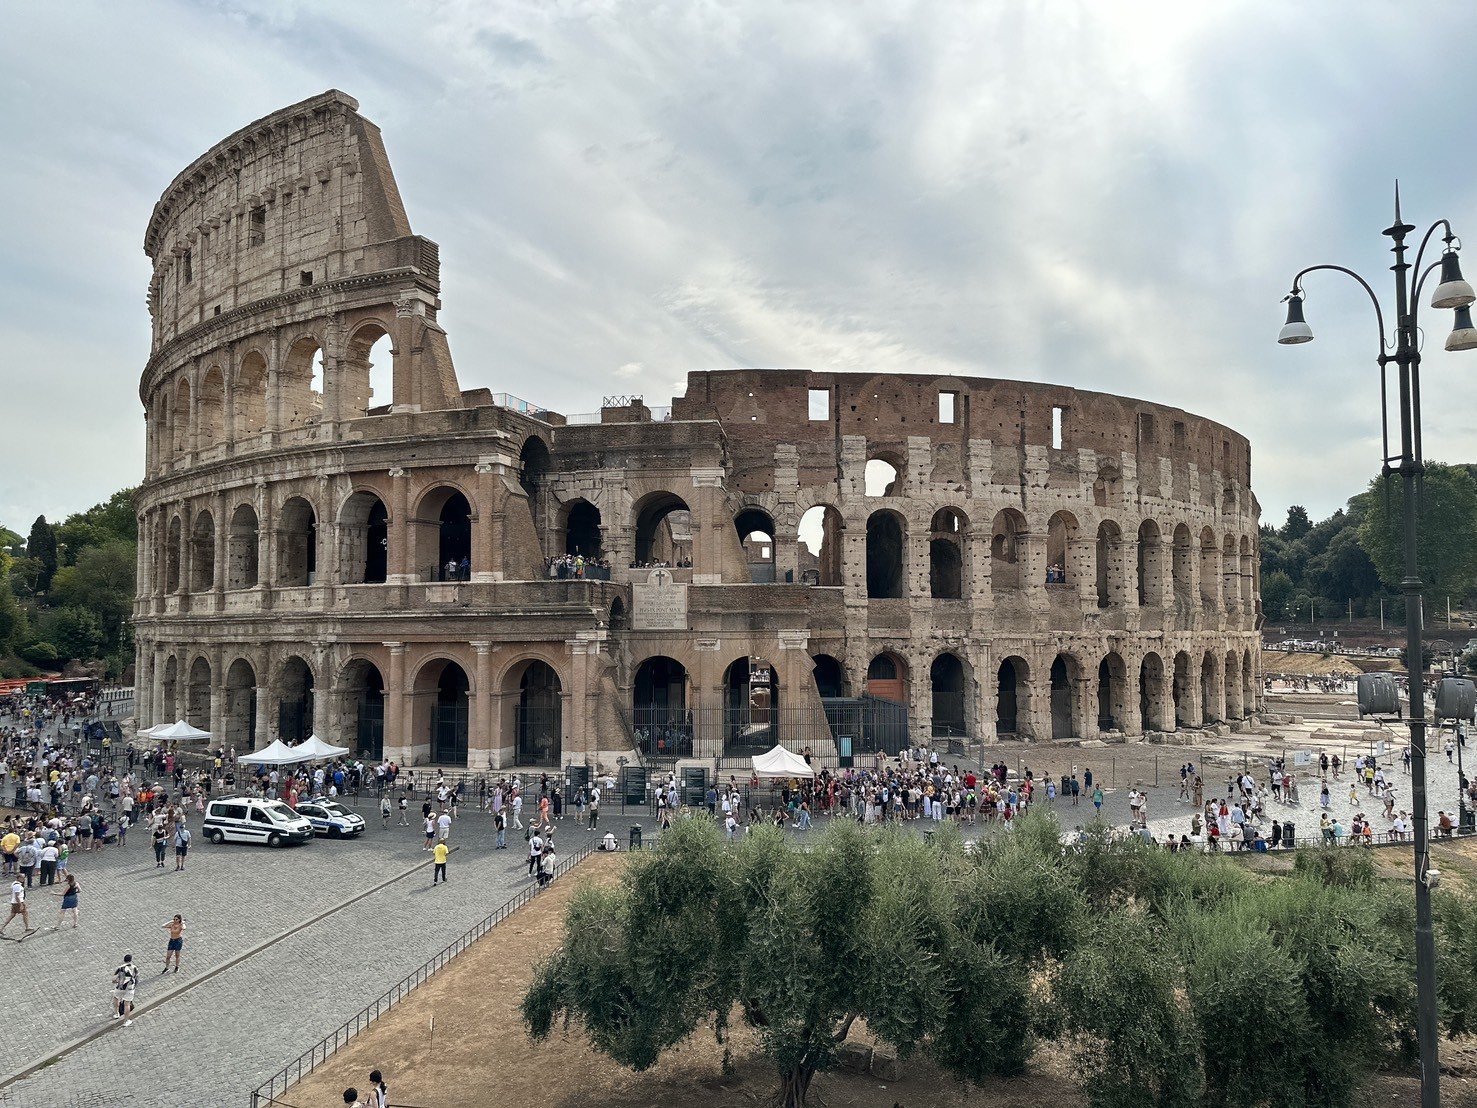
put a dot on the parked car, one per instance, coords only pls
(252, 819)
(330, 818)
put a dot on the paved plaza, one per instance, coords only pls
(210, 1042)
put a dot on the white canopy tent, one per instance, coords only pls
(779, 762)
(316, 748)
(278, 754)
(178, 732)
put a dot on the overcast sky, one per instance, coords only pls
(1108, 195)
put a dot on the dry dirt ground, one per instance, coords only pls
(480, 1054)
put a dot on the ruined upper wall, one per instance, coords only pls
(288, 201)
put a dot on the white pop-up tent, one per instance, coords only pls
(779, 762)
(176, 732)
(314, 747)
(277, 754)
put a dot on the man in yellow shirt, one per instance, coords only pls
(439, 872)
(8, 846)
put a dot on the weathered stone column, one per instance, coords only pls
(265, 726)
(397, 722)
(481, 726)
(398, 570)
(487, 538)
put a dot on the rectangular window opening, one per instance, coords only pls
(256, 229)
(947, 404)
(820, 404)
(189, 273)
(306, 276)
(1146, 428)
(1179, 433)
(1056, 428)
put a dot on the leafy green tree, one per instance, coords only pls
(101, 581)
(1298, 524)
(111, 521)
(1446, 553)
(1343, 572)
(42, 546)
(1276, 592)
(11, 543)
(74, 632)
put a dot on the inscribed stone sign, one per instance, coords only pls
(660, 604)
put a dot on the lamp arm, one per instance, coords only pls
(1415, 297)
(1373, 299)
(1425, 240)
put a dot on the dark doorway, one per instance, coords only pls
(539, 716)
(1007, 721)
(455, 547)
(449, 717)
(946, 681)
(830, 678)
(377, 545)
(582, 530)
(884, 557)
(659, 708)
(369, 732)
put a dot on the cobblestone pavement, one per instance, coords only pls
(239, 1026)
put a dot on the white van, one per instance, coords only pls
(250, 819)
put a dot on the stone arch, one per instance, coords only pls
(249, 396)
(659, 709)
(442, 709)
(172, 544)
(1066, 675)
(210, 408)
(1013, 698)
(1061, 535)
(887, 677)
(1153, 694)
(297, 543)
(1211, 686)
(364, 539)
(202, 552)
(580, 522)
(948, 687)
(361, 708)
(830, 676)
(169, 706)
(534, 691)
(1183, 690)
(947, 532)
(182, 417)
(1150, 564)
(300, 383)
(1180, 567)
(662, 523)
(198, 694)
(618, 620)
(820, 536)
(242, 548)
(362, 390)
(751, 703)
(757, 535)
(1008, 534)
(534, 465)
(886, 550)
(442, 525)
(1235, 708)
(1109, 540)
(883, 473)
(295, 697)
(238, 715)
(1112, 693)
(1210, 584)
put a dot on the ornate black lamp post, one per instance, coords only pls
(1404, 352)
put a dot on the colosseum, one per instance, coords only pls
(335, 536)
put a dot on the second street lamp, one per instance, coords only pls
(1404, 353)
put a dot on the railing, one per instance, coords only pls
(266, 1093)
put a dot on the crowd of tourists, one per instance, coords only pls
(577, 566)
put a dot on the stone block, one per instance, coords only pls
(854, 1057)
(885, 1065)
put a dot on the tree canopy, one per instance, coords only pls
(1446, 551)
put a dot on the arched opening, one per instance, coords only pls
(1210, 685)
(820, 541)
(582, 530)
(1109, 537)
(1210, 576)
(364, 540)
(887, 678)
(1183, 690)
(1007, 539)
(539, 719)
(1112, 693)
(1151, 694)
(242, 549)
(249, 397)
(830, 677)
(750, 707)
(210, 409)
(182, 418)
(1231, 572)
(1234, 705)
(297, 543)
(300, 384)
(363, 709)
(618, 620)
(238, 719)
(534, 464)
(1012, 698)
(947, 690)
(1064, 675)
(885, 547)
(659, 708)
(445, 685)
(756, 534)
(1248, 685)
(198, 694)
(1061, 533)
(880, 477)
(453, 534)
(366, 373)
(1151, 564)
(946, 534)
(172, 556)
(663, 531)
(202, 553)
(1180, 568)
(169, 692)
(295, 701)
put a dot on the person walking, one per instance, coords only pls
(430, 830)
(379, 1092)
(1097, 797)
(181, 846)
(404, 804)
(18, 908)
(443, 825)
(161, 841)
(517, 810)
(499, 822)
(438, 872)
(385, 811)
(125, 981)
(49, 856)
(176, 943)
(535, 850)
(69, 902)
(594, 808)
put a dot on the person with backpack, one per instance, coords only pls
(181, 846)
(125, 981)
(385, 811)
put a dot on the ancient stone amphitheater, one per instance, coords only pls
(336, 537)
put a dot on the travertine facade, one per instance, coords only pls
(875, 556)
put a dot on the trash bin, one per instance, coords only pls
(1468, 820)
(1289, 834)
(1065, 788)
(635, 836)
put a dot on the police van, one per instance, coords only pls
(252, 819)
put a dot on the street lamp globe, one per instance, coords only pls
(1296, 329)
(1463, 335)
(1453, 291)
